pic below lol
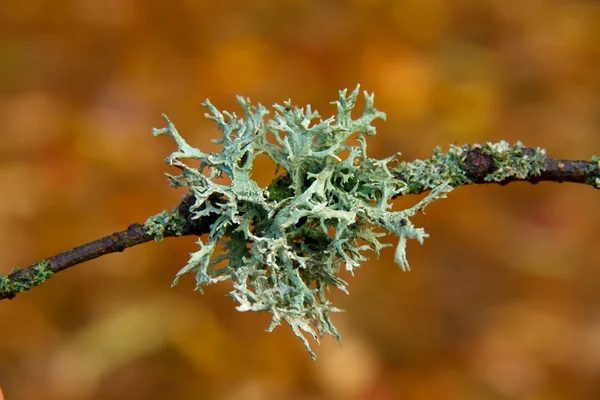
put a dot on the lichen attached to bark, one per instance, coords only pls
(282, 247)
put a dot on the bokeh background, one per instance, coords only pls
(503, 299)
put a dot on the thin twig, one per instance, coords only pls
(479, 165)
(23, 279)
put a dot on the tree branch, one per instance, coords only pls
(476, 166)
(479, 165)
(21, 280)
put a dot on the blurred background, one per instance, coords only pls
(503, 299)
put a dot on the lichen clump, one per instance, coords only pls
(515, 161)
(283, 246)
(39, 274)
(595, 182)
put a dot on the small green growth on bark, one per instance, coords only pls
(166, 221)
(38, 275)
(596, 181)
(513, 162)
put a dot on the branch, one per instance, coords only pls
(480, 167)
(21, 280)
(475, 165)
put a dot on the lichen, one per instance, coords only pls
(283, 246)
(423, 175)
(32, 277)
(506, 162)
(163, 222)
(517, 161)
(595, 182)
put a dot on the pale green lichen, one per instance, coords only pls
(39, 274)
(517, 161)
(166, 221)
(507, 162)
(283, 246)
(423, 175)
(595, 182)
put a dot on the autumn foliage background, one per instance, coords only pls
(503, 299)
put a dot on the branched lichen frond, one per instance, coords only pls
(276, 243)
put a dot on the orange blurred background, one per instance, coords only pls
(503, 299)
